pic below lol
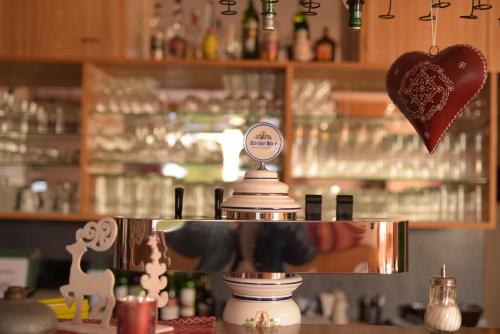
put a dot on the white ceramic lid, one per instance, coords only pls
(261, 191)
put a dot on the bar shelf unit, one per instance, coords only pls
(355, 87)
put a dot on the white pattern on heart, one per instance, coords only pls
(420, 87)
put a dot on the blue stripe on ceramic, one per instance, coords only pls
(262, 299)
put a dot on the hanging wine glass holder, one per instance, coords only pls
(311, 7)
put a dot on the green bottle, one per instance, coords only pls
(355, 13)
(250, 36)
(300, 21)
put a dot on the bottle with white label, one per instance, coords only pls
(188, 297)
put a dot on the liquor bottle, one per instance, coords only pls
(157, 33)
(270, 45)
(301, 44)
(250, 37)
(355, 13)
(232, 44)
(171, 310)
(300, 21)
(188, 297)
(176, 33)
(210, 44)
(325, 47)
(204, 299)
(194, 37)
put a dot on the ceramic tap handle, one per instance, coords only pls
(219, 195)
(179, 197)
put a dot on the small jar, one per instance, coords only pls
(442, 314)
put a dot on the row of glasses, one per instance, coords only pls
(156, 143)
(251, 93)
(41, 196)
(23, 116)
(127, 95)
(370, 148)
(313, 98)
(17, 150)
(449, 202)
(152, 194)
(247, 93)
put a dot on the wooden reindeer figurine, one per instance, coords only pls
(99, 237)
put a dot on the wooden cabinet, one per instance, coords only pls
(384, 40)
(493, 37)
(59, 28)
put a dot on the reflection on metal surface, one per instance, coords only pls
(276, 276)
(266, 249)
(240, 215)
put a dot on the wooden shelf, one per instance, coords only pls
(228, 63)
(84, 71)
(48, 216)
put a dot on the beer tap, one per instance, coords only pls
(179, 199)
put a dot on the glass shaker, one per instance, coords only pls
(442, 314)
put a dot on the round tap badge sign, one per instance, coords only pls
(263, 142)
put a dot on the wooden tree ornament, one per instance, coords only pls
(99, 237)
(153, 281)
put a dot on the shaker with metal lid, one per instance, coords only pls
(19, 315)
(442, 314)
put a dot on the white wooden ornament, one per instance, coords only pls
(153, 281)
(99, 237)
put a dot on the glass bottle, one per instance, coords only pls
(171, 310)
(157, 35)
(442, 314)
(176, 33)
(355, 13)
(301, 45)
(250, 36)
(210, 45)
(204, 297)
(268, 14)
(232, 44)
(325, 47)
(188, 297)
(194, 37)
(270, 45)
(300, 21)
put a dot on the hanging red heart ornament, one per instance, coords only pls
(432, 91)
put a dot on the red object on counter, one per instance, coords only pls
(136, 315)
(198, 325)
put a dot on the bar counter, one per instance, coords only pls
(345, 329)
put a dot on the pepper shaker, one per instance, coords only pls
(442, 314)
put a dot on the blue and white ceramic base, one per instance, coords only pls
(262, 302)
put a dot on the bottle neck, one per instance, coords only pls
(355, 14)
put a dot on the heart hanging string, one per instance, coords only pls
(433, 21)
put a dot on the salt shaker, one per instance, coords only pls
(442, 314)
